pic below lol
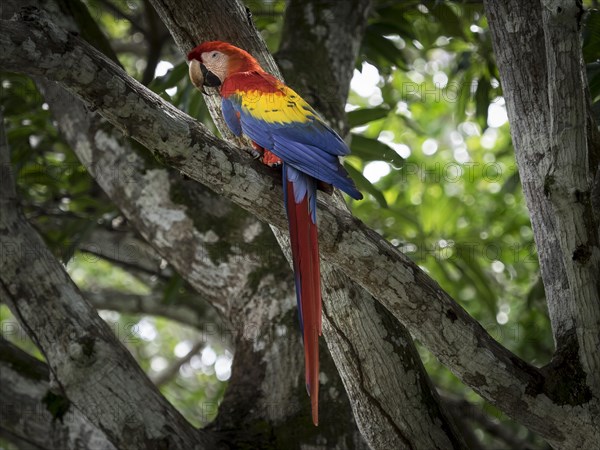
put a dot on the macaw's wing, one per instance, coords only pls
(231, 117)
(278, 119)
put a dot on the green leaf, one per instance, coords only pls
(392, 20)
(482, 101)
(412, 124)
(387, 28)
(591, 36)
(365, 185)
(593, 76)
(450, 22)
(381, 47)
(464, 95)
(170, 79)
(369, 149)
(511, 184)
(366, 115)
(471, 271)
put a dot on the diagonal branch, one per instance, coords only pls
(87, 363)
(182, 310)
(32, 413)
(171, 371)
(417, 301)
(126, 250)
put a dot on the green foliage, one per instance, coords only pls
(591, 55)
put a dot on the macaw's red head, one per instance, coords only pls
(212, 62)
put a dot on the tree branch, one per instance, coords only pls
(33, 413)
(415, 299)
(194, 314)
(88, 365)
(170, 372)
(468, 412)
(126, 250)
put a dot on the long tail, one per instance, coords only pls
(300, 198)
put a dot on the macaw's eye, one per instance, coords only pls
(214, 55)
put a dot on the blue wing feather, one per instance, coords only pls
(318, 134)
(231, 118)
(307, 147)
(281, 122)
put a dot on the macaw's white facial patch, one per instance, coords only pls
(217, 63)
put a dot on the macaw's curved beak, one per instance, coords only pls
(201, 76)
(196, 75)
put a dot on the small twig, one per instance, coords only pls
(170, 372)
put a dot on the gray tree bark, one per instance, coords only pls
(320, 42)
(538, 49)
(34, 413)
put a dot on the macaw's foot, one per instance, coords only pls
(256, 151)
(270, 159)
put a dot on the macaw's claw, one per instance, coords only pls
(255, 153)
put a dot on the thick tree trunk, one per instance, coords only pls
(569, 179)
(318, 50)
(538, 50)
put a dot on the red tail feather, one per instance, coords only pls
(305, 253)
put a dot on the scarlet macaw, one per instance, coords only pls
(284, 128)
